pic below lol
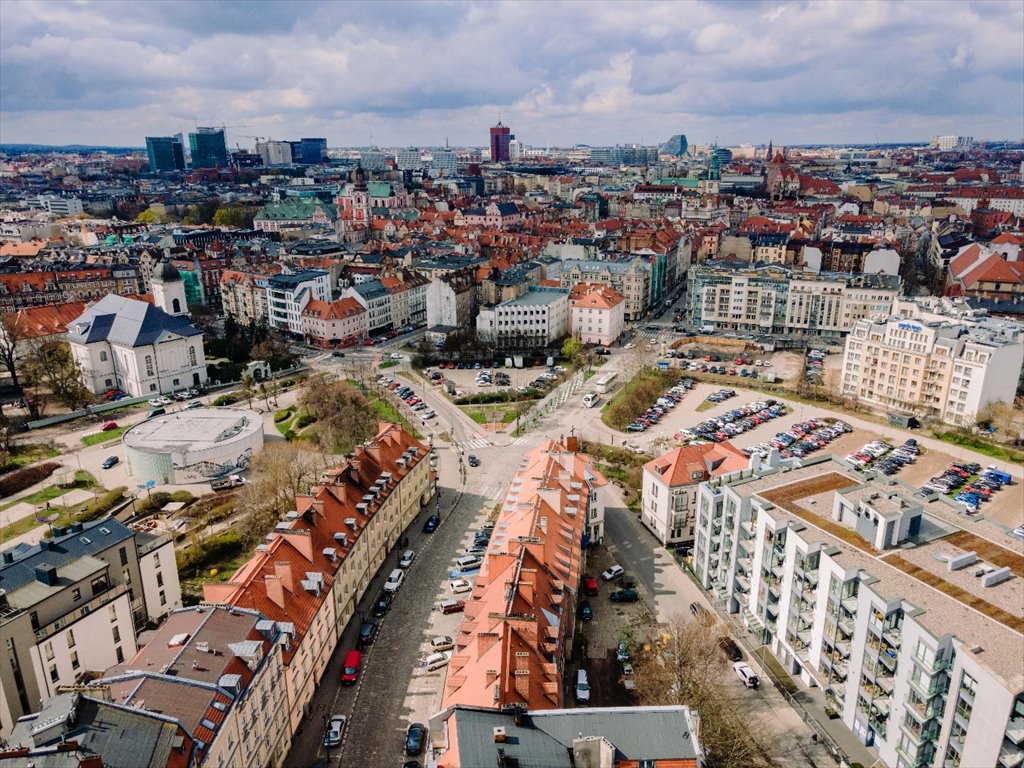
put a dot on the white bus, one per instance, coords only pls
(590, 399)
(605, 382)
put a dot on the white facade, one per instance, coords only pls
(132, 345)
(538, 317)
(952, 143)
(914, 672)
(409, 159)
(378, 302)
(598, 316)
(287, 296)
(933, 365)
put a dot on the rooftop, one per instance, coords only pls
(536, 297)
(192, 430)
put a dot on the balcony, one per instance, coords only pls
(1010, 756)
(1015, 730)
(935, 666)
(109, 596)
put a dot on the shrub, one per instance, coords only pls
(101, 505)
(208, 552)
(184, 496)
(289, 435)
(282, 415)
(20, 479)
(153, 502)
(304, 419)
(288, 383)
(229, 399)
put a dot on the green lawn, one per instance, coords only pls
(103, 437)
(705, 406)
(385, 411)
(388, 364)
(981, 446)
(25, 524)
(30, 453)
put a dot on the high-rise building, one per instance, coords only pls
(208, 147)
(275, 152)
(410, 159)
(501, 135)
(166, 153)
(309, 151)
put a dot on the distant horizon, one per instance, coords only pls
(396, 74)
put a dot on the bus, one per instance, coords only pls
(605, 382)
(590, 399)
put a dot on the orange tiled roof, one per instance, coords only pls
(333, 310)
(596, 296)
(691, 464)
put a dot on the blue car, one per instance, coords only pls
(431, 525)
(109, 462)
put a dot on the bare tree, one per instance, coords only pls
(279, 474)
(11, 352)
(50, 364)
(343, 414)
(685, 666)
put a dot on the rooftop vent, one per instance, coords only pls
(352, 523)
(499, 734)
(342, 539)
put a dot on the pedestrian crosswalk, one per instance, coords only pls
(479, 442)
(523, 440)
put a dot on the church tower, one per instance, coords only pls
(169, 289)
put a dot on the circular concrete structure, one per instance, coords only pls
(193, 446)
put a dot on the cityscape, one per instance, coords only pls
(511, 402)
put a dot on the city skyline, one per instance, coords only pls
(557, 74)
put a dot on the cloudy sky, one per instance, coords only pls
(394, 73)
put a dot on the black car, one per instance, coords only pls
(383, 603)
(414, 738)
(586, 610)
(730, 649)
(337, 353)
(368, 633)
(474, 461)
(432, 522)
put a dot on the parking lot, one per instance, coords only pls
(465, 379)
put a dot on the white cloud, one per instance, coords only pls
(557, 72)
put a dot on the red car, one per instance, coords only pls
(109, 426)
(451, 606)
(738, 361)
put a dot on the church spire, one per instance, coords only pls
(769, 157)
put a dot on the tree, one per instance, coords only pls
(343, 415)
(572, 350)
(234, 215)
(279, 474)
(248, 388)
(51, 365)
(11, 351)
(149, 216)
(274, 349)
(685, 666)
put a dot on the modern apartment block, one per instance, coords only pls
(630, 277)
(536, 319)
(288, 295)
(74, 604)
(518, 628)
(777, 300)
(933, 365)
(907, 615)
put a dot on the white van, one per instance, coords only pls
(590, 399)
(582, 687)
(707, 328)
(467, 563)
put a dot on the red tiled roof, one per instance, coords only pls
(683, 465)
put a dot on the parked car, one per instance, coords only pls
(367, 633)
(582, 686)
(613, 573)
(451, 606)
(586, 610)
(730, 649)
(441, 643)
(383, 604)
(746, 674)
(335, 729)
(460, 585)
(431, 524)
(406, 559)
(350, 669)
(415, 737)
(110, 461)
(108, 426)
(394, 580)
(193, 404)
(590, 586)
(622, 652)
(628, 595)
(468, 563)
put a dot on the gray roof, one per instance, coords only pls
(128, 322)
(94, 537)
(122, 736)
(545, 739)
(371, 289)
(291, 281)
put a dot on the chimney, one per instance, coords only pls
(499, 734)
(484, 642)
(275, 589)
(573, 443)
(283, 571)
(502, 760)
(521, 680)
(47, 574)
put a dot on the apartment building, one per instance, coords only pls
(319, 560)
(537, 318)
(244, 295)
(408, 291)
(594, 737)
(288, 295)
(378, 303)
(905, 613)
(215, 671)
(928, 361)
(450, 299)
(777, 300)
(630, 277)
(338, 323)
(73, 604)
(669, 488)
(517, 629)
(598, 313)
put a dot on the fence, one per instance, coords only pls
(555, 399)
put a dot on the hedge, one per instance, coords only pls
(229, 399)
(211, 551)
(507, 396)
(101, 505)
(304, 419)
(20, 479)
(282, 415)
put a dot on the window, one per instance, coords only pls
(192, 356)
(103, 357)
(54, 675)
(74, 661)
(76, 594)
(113, 612)
(149, 365)
(117, 634)
(152, 387)
(163, 598)
(48, 649)
(119, 654)
(159, 579)
(123, 553)
(71, 638)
